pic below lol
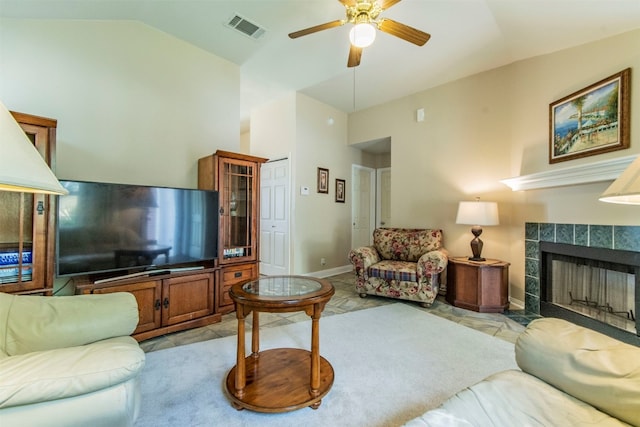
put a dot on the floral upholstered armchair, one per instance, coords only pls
(403, 263)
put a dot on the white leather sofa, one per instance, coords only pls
(69, 361)
(570, 376)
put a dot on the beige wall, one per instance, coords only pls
(299, 127)
(133, 104)
(492, 126)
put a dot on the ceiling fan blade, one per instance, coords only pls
(355, 53)
(386, 4)
(316, 28)
(349, 3)
(403, 31)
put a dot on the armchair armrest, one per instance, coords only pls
(66, 372)
(362, 258)
(432, 263)
(37, 323)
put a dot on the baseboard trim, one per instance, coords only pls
(516, 304)
(330, 272)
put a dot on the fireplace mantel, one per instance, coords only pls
(604, 170)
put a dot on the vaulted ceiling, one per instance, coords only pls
(467, 37)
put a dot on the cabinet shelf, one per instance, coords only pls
(27, 222)
(237, 178)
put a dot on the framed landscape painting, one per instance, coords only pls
(592, 121)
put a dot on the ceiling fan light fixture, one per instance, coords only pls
(362, 35)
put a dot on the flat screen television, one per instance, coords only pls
(105, 227)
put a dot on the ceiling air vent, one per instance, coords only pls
(245, 26)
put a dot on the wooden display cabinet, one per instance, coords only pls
(27, 222)
(237, 178)
(481, 286)
(169, 303)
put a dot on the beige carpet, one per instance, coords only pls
(391, 363)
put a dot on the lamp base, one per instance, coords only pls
(476, 244)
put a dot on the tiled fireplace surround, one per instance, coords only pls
(598, 236)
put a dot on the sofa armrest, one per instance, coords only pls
(586, 364)
(432, 263)
(37, 323)
(362, 258)
(57, 374)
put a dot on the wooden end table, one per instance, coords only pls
(282, 379)
(481, 286)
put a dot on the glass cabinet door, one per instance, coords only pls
(23, 228)
(238, 185)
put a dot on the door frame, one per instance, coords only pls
(378, 201)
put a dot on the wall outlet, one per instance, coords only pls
(323, 261)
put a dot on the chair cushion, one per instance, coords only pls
(394, 270)
(406, 244)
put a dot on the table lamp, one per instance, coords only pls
(22, 168)
(626, 188)
(477, 214)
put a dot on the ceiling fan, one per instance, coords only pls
(365, 17)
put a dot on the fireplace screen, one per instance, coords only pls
(597, 292)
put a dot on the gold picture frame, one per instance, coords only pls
(591, 121)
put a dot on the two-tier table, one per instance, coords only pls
(281, 379)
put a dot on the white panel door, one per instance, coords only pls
(274, 218)
(363, 205)
(383, 196)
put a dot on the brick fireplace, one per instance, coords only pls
(611, 252)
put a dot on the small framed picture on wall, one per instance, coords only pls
(323, 180)
(340, 190)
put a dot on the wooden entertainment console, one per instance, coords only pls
(168, 301)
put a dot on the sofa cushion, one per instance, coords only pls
(38, 323)
(513, 398)
(394, 270)
(67, 372)
(406, 244)
(590, 366)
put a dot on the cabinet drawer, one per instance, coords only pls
(232, 275)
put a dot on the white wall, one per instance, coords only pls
(491, 126)
(133, 104)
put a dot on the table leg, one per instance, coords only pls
(255, 334)
(240, 380)
(315, 352)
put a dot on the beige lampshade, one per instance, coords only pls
(22, 168)
(626, 188)
(478, 213)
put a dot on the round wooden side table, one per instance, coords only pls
(282, 379)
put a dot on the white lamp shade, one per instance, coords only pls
(626, 188)
(22, 168)
(478, 213)
(362, 35)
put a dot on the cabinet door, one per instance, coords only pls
(148, 294)
(238, 199)
(187, 298)
(24, 231)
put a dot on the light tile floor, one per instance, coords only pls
(504, 326)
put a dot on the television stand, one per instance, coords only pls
(169, 300)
